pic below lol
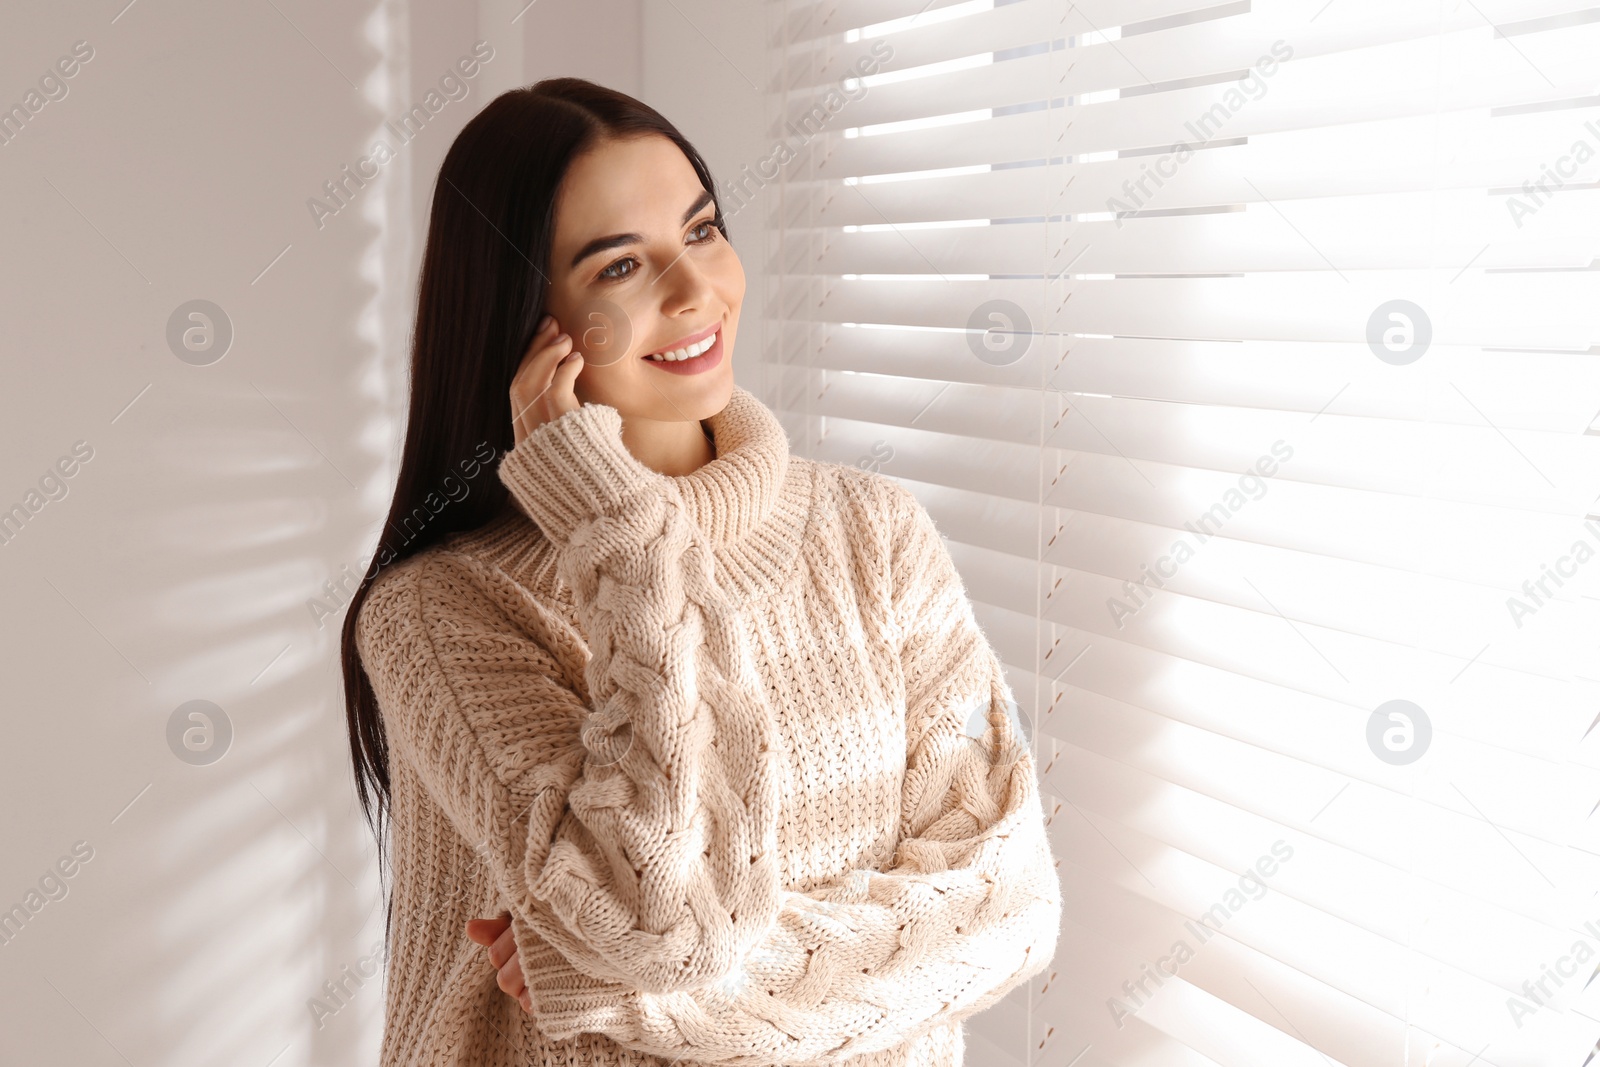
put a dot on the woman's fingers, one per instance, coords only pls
(486, 931)
(510, 974)
(542, 388)
(504, 948)
(531, 389)
(496, 936)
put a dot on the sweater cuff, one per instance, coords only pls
(566, 1002)
(574, 469)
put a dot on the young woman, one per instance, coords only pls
(689, 714)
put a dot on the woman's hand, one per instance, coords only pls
(541, 390)
(495, 935)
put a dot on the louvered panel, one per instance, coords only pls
(1197, 116)
(1179, 686)
(1283, 376)
(1290, 306)
(832, 18)
(1076, 1004)
(1490, 545)
(1323, 876)
(1376, 980)
(1246, 777)
(1390, 604)
(1354, 671)
(1301, 377)
(1339, 666)
(934, 40)
(1319, 937)
(1287, 376)
(1172, 325)
(1356, 233)
(1244, 45)
(1398, 605)
(1229, 43)
(1540, 471)
(1468, 931)
(1139, 819)
(1478, 149)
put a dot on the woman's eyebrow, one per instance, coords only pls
(601, 244)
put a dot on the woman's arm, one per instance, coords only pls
(647, 854)
(969, 909)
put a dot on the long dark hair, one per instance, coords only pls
(480, 297)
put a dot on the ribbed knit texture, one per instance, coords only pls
(731, 749)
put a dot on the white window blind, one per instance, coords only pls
(1246, 354)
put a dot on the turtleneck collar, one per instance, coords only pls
(752, 502)
(734, 492)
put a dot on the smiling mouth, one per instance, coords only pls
(683, 352)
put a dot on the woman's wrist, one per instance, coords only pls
(574, 469)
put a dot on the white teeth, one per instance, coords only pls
(688, 352)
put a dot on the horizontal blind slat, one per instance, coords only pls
(1547, 471)
(1457, 150)
(1283, 376)
(1465, 541)
(829, 18)
(1233, 42)
(1328, 305)
(1365, 233)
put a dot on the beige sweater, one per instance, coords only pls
(731, 749)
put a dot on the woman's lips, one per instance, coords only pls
(685, 342)
(703, 362)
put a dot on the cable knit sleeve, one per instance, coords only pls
(969, 908)
(646, 854)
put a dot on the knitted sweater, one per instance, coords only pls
(731, 749)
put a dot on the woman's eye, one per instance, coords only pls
(609, 276)
(614, 273)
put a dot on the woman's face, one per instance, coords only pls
(636, 268)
